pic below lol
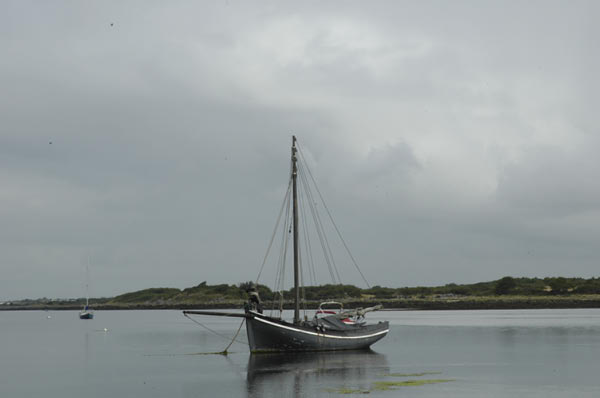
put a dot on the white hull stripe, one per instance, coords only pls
(320, 334)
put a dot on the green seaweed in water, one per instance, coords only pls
(392, 385)
(345, 390)
(412, 374)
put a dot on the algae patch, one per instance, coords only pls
(388, 386)
(347, 391)
(392, 385)
(412, 374)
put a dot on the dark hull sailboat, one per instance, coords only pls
(330, 333)
(345, 330)
(272, 334)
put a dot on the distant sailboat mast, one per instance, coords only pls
(87, 282)
(87, 313)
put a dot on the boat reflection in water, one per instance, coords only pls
(312, 373)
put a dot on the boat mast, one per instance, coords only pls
(87, 282)
(296, 248)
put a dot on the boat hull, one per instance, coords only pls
(266, 334)
(86, 315)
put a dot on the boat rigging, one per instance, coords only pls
(327, 330)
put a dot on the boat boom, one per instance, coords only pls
(215, 313)
(358, 312)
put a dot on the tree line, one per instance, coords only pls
(508, 285)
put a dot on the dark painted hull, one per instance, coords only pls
(271, 334)
(86, 315)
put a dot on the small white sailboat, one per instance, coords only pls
(87, 312)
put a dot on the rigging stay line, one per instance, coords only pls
(331, 218)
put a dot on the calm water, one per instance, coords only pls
(529, 353)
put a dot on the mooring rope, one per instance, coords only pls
(224, 352)
(234, 337)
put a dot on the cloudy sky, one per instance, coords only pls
(453, 141)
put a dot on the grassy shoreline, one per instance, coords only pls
(414, 304)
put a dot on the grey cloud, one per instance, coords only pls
(453, 142)
(552, 181)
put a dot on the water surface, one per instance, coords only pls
(533, 353)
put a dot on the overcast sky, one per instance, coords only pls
(454, 141)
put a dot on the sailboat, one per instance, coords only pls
(87, 312)
(328, 330)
